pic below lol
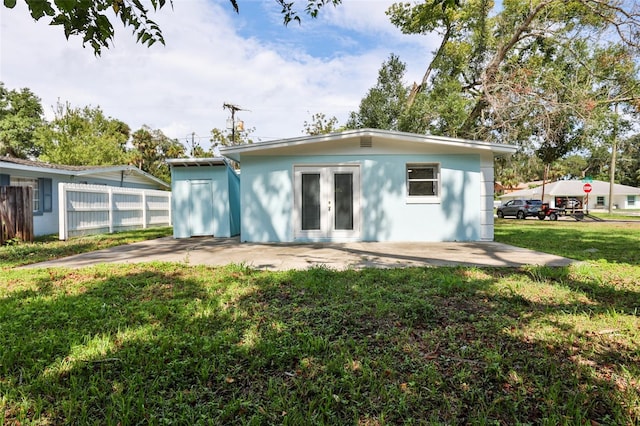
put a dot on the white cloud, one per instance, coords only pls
(180, 87)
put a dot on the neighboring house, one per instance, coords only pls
(501, 189)
(44, 179)
(558, 193)
(360, 185)
(206, 197)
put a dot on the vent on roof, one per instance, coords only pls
(366, 142)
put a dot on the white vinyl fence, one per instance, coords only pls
(98, 209)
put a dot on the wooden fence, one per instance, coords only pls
(16, 213)
(98, 209)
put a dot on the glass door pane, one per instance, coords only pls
(343, 201)
(310, 201)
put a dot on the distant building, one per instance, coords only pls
(563, 192)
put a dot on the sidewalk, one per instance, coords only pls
(222, 251)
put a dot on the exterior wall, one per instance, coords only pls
(386, 215)
(222, 209)
(487, 186)
(234, 200)
(47, 222)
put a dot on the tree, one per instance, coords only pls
(384, 104)
(83, 137)
(92, 20)
(524, 73)
(320, 125)
(225, 137)
(150, 150)
(629, 168)
(20, 117)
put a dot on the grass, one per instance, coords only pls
(49, 247)
(616, 242)
(164, 343)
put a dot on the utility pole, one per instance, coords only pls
(233, 108)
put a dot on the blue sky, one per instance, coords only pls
(282, 75)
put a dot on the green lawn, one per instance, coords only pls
(171, 343)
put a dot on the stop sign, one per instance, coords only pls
(586, 188)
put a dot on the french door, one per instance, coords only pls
(327, 202)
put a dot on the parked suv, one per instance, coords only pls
(520, 208)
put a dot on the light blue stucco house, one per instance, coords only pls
(358, 185)
(44, 178)
(206, 197)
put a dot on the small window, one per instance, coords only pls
(631, 200)
(600, 201)
(33, 183)
(42, 192)
(423, 180)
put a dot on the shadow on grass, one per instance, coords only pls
(171, 344)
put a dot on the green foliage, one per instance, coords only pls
(226, 137)
(20, 118)
(320, 125)
(83, 137)
(150, 150)
(382, 107)
(93, 20)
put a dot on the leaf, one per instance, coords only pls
(39, 8)
(10, 3)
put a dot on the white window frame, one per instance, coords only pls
(631, 200)
(424, 199)
(35, 186)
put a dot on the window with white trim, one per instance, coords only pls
(42, 192)
(33, 183)
(423, 181)
(631, 200)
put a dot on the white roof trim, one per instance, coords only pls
(234, 151)
(86, 172)
(196, 162)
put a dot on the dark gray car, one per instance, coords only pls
(520, 208)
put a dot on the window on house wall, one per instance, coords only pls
(33, 183)
(631, 200)
(423, 181)
(42, 192)
(600, 201)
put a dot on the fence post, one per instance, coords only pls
(63, 229)
(111, 209)
(144, 209)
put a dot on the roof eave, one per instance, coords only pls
(234, 152)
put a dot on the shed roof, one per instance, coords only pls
(366, 138)
(93, 171)
(196, 162)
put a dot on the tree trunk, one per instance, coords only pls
(491, 71)
(612, 168)
(417, 88)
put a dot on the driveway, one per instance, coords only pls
(222, 251)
